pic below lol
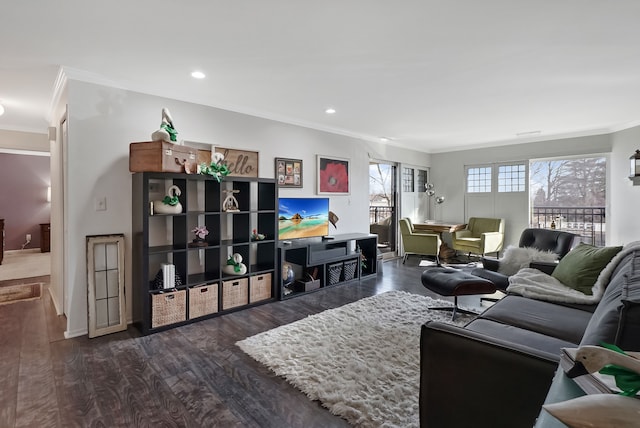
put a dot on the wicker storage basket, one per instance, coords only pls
(235, 293)
(349, 269)
(203, 300)
(168, 308)
(334, 273)
(259, 287)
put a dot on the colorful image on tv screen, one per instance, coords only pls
(303, 217)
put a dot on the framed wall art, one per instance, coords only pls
(333, 176)
(289, 172)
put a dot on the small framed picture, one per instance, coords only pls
(289, 172)
(333, 176)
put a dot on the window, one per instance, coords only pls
(511, 178)
(479, 180)
(407, 180)
(421, 180)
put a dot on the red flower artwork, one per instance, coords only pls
(334, 176)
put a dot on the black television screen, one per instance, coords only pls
(303, 217)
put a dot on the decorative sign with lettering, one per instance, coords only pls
(241, 163)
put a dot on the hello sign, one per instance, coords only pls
(241, 163)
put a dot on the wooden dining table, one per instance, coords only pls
(441, 227)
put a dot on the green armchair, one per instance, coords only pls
(482, 236)
(418, 243)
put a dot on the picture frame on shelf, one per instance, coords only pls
(288, 172)
(333, 175)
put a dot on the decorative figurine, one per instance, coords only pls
(199, 241)
(170, 204)
(217, 169)
(609, 360)
(333, 219)
(166, 132)
(234, 265)
(255, 236)
(230, 203)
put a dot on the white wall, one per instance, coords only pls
(58, 248)
(102, 123)
(447, 172)
(624, 197)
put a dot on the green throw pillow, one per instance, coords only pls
(580, 268)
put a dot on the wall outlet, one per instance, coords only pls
(28, 237)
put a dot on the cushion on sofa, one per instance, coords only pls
(580, 268)
(550, 319)
(524, 338)
(617, 317)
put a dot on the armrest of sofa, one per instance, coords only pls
(491, 242)
(464, 375)
(546, 267)
(464, 233)
(491, 263)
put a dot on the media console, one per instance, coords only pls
(312, 264)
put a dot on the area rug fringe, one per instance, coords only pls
(361, 360)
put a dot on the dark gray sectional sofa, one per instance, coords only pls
(496, 371)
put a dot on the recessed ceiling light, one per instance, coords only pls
(330, 110)
(384, 139)
(198, 75)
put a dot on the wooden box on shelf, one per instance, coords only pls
(260, 287)
(235, 293)
(160, 156)
(308, 285)
(168, 308)
(203, 300)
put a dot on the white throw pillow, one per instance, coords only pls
(516, 258)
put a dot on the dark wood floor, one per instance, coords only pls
(191, 376)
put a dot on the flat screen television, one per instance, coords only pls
(302, 217)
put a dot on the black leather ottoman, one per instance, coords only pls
(454, 282)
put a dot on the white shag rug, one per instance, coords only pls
(361, 360)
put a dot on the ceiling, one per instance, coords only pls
(430, 75)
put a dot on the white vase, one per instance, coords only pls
(230, 269)
(160, 207)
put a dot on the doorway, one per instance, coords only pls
(383, 216)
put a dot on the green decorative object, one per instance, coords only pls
(216, 168)
(170, 200)
(627, 380)
(170, 204)
(234, 265)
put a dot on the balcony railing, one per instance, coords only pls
(586, 222)
(379, 213)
